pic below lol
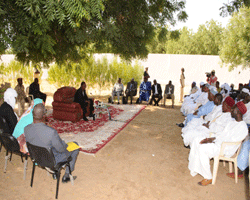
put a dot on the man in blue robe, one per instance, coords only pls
(145, 90)
(205, 109)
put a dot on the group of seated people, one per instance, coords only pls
(34, 91)
(32, 127)
(146, 89)
(212, 117)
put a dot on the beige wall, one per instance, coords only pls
(165, 67)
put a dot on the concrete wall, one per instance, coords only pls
(165, 67)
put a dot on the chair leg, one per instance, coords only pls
(70, 176)
(10, 155)
(230, 167)
(57, 184)
(215, 169)
(32, 176)
(25, 167)
(236, 171)
(6, 161)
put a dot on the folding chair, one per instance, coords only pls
(231, 160)
(11, 145)
(46, 160)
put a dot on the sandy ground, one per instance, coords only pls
(146, 160)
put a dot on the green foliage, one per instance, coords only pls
(206, 41)
(16, 70)
(236, 41)
(233, 6)
(100, 73)
(57, 30)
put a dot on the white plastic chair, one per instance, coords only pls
(230, 160)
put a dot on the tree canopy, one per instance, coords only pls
(206, 41)
(236, 40)
(233, 6)
(59, 30)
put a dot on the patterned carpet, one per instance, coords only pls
(94, 135)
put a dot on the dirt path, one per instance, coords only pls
(146, 160)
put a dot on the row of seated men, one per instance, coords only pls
(34, 90)
(146, 89)
(32, 128)
(211, 119)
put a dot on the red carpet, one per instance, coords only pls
(94, 135)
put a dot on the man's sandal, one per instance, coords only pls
(205, 182)
(231, 175)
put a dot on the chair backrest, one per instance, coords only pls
(41, 155)
(10, 143)
(27, 90)
(4, 125)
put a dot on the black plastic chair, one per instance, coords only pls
(11, 145)
(46, 160)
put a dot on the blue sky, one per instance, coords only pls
(200, 11)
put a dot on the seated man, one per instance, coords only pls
(217, 85)
(117, 90)
(157, 93)
(203, 110)
(191, 104)
(8, 117)
(39, 134)
(169, 93)
(35, 91)
(21, 96)
(203, 150)
(131, 90)
(81, 97)
(198, 126)
(145, 90)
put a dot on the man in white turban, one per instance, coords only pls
(8, 118)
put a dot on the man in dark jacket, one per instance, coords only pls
(157, 93)
(81, 97)
(35, 91)
(169, 93)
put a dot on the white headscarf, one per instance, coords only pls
(10, 97)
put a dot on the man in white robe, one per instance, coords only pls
(214, 125)
(246, 117)
(203, 150)
(193, 94)
(202, 99)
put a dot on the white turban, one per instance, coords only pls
(10, 97)
(245, 90)
(202, 83)
(225, 86)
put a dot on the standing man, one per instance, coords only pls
(39, 134)
(182, 81)
(35, 90)
(131, 89)
(21, 96)
(157, 93)
(169, 93)
(212, 79)
(81, 97)
(146, 73)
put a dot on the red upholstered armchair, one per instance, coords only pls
(64, 107)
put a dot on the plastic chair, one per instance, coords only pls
(231, 160)
(45, 159)
(11, 145)
(27, 93)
